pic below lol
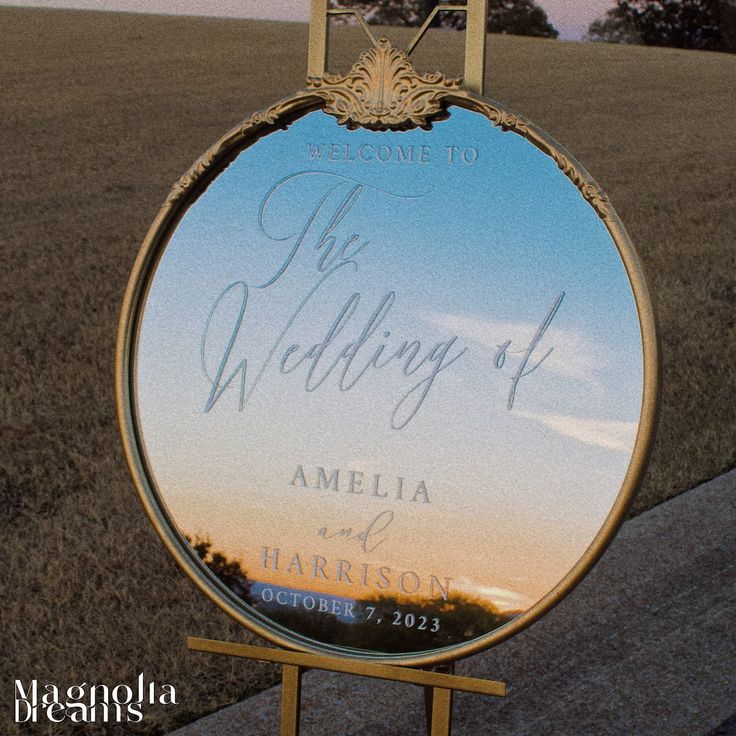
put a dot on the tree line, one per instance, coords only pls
(707, 25)
(518, 17)
(421, 624)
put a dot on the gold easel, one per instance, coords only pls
(439, 683)
(475, 37)
(438, 686)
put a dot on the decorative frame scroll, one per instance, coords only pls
(383, 91)
(407, 100)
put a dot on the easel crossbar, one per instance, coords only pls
(350, 667)
(475, 37)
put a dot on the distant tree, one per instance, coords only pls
(391, 12)
(708, 25)
(519, 17)
(228, 571)
(613, 30)
(728, 25)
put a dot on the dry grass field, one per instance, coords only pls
(101, 114)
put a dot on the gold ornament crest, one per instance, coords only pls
(383, 91)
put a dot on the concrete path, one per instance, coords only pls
(645, 646)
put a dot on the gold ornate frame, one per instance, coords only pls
(381, 92)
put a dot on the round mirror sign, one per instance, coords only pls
(387, 392)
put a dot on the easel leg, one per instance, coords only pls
(291, 697)
(438, 707)
(428, 702)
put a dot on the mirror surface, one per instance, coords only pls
(389, 384)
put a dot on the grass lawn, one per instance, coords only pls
(101, 114)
